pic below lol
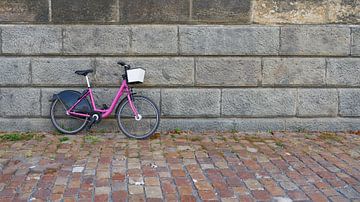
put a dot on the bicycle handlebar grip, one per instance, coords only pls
(121, 63)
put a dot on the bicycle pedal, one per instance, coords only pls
(105, 107)
(94, 118)
(91, 123)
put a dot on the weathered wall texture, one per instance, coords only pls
(210, 65)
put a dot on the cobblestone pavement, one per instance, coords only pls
(181, 166)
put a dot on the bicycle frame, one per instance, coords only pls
(104, 112)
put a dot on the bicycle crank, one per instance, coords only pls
(138, 117)
(95, 118)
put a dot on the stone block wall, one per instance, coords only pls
(211, 65)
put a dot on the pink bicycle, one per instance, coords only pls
(137, 116)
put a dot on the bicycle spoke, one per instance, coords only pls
(138, 128)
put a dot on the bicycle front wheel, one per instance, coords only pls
(64, 123)
(143, 126)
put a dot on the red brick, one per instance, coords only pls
(207, 195)
(261, 195)
(297, 195)
(318, 197)
(338, 199)
(118, 176)
(275, 190)
(182, 181)
(246, 175)
(246, 198)
(234, 182)
(226, 193)
(187, 198)
(178, 173)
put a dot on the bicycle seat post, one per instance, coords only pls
(87, 81)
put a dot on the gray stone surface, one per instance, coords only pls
(355, 49)
(19, 102)
(293, 71)
(349, 102)
(100, 39)
(155, 39)
(159, 70)
(225, 11)
(315, 40)
(197, 125)
(31, 39)
(343, 72)
(259, 124)
(14, 71)
(318, 102)
(349, 192)
(229, 40)
(228, 71)
(102, 96)
(59, 71)
(289, 11)
(84, 11)
(24, 11)
(154, 11)
(198, 84)
(190, 102)
(322, 124)
(258, 102)
(25, 124)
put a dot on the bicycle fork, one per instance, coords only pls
(131, 99)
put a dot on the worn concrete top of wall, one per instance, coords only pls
(181, 11)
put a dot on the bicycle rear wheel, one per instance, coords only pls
(147, 123)
(64, 123)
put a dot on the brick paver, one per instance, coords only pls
(182, 166)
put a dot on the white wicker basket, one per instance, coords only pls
(136, 75)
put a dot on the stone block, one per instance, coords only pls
(226, 11)
(154, 11)
(258, 102)
(228, 40)
(154, 39)
(31, 39)
(322, 124)
(190, 102)
(19, 102)
(290, 11)
(24, 11)
(344, 11)
(293, 71)
(60, 71)
(315, 40)
(26, 124)
(349, 102)
(197, 125)
(318, 102)
(100, 39)
(254, 125)
(14, 71)
(84, 11)
(343, 72)
(159, 71)
(355, 49)
(228, 71)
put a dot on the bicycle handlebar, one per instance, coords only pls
(121, 63)
(126, 66)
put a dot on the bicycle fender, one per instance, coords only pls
(70, 97)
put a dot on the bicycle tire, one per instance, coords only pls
(56, 124)
(120, 117)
